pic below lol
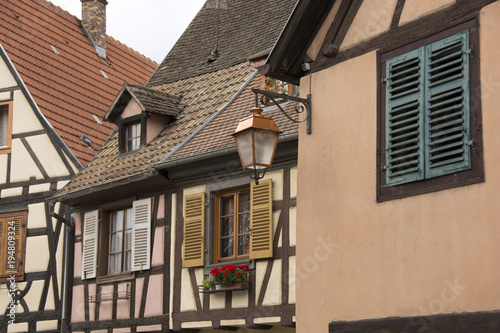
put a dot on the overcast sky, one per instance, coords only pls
(150, 27)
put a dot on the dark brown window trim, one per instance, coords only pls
(472, 176)
(122, 134)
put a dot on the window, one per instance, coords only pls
(5, 127)
(120, 240)
(132, 134)
(12, 245)
(125, 240)
(428, 130)
(242, 225)
(232, 224)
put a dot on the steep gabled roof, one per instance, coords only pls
(149, 100)
(207, 90)
(69, 82)
(245, 28)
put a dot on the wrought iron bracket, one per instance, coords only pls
(301, 105)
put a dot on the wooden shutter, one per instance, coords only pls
(90, 239)
(194, 230)
(12, 246)
(404, 118)
(447, 109)
(261, 220)
(141, 235)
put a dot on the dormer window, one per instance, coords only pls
(141, 114)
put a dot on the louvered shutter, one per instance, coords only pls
(4, 125)
(447, 109)
(194, 230)
(141, 235)
(261, 220)
(404, 118)
(90, 239)
(12, 230)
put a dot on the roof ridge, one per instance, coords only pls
(64, 11)
(131, 49)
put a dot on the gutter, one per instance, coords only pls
(107, 186)
(287, 137)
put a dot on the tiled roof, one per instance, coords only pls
(69, 87)
(150, 100)
(218, 133)
(245, 28)
(203, 95)
(206, 90)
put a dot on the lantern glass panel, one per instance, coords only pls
(245, 144)
(265, 143)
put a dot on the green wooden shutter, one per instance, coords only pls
(90, 239)
(141, 235)
(404, 118)
(194, 230)
(261, 220)
(447, 106)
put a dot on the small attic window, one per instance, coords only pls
(54, 49)
(97, 120)
(104, 74)
(132, 135)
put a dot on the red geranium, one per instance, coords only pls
(227, 274)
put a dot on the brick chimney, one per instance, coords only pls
(94, 20)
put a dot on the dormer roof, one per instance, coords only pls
(149, 100)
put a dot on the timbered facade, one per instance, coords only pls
(151, 208)
(42, 116)
(405, 97)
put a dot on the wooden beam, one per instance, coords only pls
(397, 14)
(259, 327)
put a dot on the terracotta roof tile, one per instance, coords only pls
(68, 87)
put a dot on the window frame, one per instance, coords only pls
(123, 231)
(7, 149)
(461, 178)
(4, 274)
(123, 129)
(216, 226)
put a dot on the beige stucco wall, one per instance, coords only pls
(415, 9)
(358, 259)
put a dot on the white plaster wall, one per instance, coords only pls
(37, 261)
(46, 325)
(3, 168)
(24, 119)
(23, 166)
(47, 155)
(6, 78)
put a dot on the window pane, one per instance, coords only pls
(115, 263)
(128, 240)
(244, 201)
(227, 226)
(128, 221)
(226, 249)
(4, 128)
(227, 205)
(128, 261)
(116, 242)
(117, 221)
(243, 244)
(244, 223)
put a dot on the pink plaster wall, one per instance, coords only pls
(139, 284)
(158, 247)
(123, 305)
(77, 273)
(106, 307)
(78, 305)
(161, 207)
(154, 301)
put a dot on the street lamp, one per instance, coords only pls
(256, 140)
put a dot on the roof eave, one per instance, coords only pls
(286, 58)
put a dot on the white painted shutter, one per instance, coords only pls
(141, 235)
(90, 239)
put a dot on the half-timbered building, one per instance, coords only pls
(54, 90)
(399, 177)
(165, 200)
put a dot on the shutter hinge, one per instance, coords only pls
(384, 81)
(384, 168)
(469, 143)
(470, 52)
